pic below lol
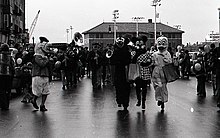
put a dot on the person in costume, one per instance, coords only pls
(41, 72)
(145, 62)
(160, 58)
(120, 59)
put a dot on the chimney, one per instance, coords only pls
(149, 20)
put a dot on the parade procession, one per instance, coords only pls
(116, 79)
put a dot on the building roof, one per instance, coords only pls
(129, 27)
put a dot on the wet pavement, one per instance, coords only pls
(86, 113)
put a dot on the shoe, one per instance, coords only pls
(43, 108)
(63, 87)
(218, 105)
(34, 103)
(159, 103)
(138, 103)
(24, 101)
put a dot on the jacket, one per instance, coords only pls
(40, 66)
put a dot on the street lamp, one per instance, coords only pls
(67, 31)
(155, 4)
(115, 16)
(137, 19)
(219, 22)
(71, 28)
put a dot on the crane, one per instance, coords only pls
(33, 24)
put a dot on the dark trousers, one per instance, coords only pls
(201, 85)
(141, 89)
(218, 86)
(122, 86)
(5, 91)
(96, 77)
(71, 77)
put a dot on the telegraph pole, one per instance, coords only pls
(155, 4)
(67, 32)
(137, 19)
(115, 17)
(219, 23)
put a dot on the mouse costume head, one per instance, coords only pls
(162, 43)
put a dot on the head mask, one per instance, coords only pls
(162, 43)
(120, 42)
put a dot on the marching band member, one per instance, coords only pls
(95, 59)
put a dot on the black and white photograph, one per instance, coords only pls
(109, 69)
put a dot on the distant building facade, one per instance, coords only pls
(104, 33)
(12, 22)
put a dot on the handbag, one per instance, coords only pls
(170, 73)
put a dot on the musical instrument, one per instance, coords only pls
(109, 53)
(78, 38)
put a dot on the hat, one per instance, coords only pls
(4, 47)
(43, 39)
(143, 38)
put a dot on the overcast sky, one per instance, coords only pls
(196, 17)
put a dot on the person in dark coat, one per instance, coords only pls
(217, 71)
(71, 65)
(199, 70)
(95, 59)
(120, 59)
(6, 76)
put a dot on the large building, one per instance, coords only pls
(104, 34)
(12, 22)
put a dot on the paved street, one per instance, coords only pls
(86, 113)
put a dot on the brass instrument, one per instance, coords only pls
(78, 38)
(109, 53)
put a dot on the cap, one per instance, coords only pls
(43, 39)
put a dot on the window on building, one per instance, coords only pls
(101, 35)
(97, 35)
(169, 35)
(6, 2)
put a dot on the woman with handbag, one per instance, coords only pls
(160, 58)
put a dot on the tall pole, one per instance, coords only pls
(219, 23)
(114, 30)
(71, 32)
(67, 31)
(137, 19)
(155, 24)
(155, 3)
(115, 16)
